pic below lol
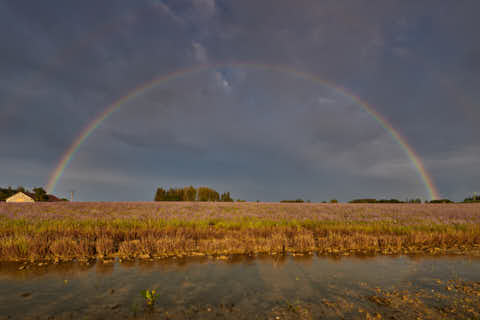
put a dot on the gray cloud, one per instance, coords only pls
(258, 133)
(199, 52)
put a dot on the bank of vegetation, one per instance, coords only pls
(298, 200)
(191, 194)
(393, 200)
(65, 231)
(38, 194)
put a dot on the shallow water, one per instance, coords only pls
(245, 288)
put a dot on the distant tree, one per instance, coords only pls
(203, 194)
(3, 194)
(299, 200)
(389, 201)
(225, 197)
(417, 200)
(334, 201)
(180, 195)
(441, 201)
(207, 194)
(365, 200)
(214, 196)
(190, 193)
(160, 195)
(474, 198)
(39, 194)
(175, 194)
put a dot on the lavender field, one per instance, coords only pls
(66, 231)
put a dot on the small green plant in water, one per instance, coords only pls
(150, 296)
(134, 309)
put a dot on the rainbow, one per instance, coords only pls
(92, 126)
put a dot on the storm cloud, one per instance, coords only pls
(248, 124)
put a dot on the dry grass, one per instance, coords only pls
(65, 231)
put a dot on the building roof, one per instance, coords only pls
(20, 197)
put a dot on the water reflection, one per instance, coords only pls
(243, 287)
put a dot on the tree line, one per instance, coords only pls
(299, 200)
(191, 194)
(373, 200)
(38, 194)
(474, 198)
(413, 200)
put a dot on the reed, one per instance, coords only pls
(66, 231)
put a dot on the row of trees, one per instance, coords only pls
(417, 200)
(191, 194)
(373, 200)
(38, 194)
(474, 198)
(299, 200)
(440, 201)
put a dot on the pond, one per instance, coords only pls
(300, 287)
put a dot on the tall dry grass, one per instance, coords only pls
(65, 231)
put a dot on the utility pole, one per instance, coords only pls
(72, 193)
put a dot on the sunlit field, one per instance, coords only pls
(67, 231)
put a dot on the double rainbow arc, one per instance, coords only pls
(92, 126)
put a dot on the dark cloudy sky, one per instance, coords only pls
(261, 134)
